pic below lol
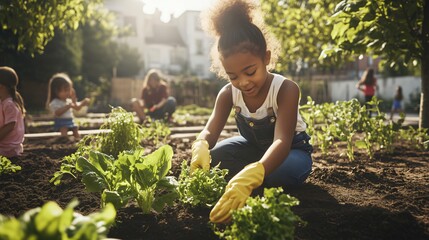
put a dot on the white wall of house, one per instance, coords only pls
(160, 56)
(346, 90)
(197, 52)
(198, 42)
(130, 13)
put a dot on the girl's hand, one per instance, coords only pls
(237, 191)
(200, 155)
(85, 102)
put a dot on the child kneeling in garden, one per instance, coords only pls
(273, 147)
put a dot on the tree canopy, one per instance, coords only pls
(303, 29)
(33, 23)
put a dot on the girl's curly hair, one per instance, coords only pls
(237, 25)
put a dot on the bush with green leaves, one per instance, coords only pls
(6, 166)
(124, 133)
(52, 222)
(267, 217)
(201, 188)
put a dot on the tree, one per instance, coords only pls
(303, 29)
(129, 63)
(31, 24)
(398, 31)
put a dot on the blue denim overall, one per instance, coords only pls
(256, 137)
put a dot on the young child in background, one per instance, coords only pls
(12, 114)
(397, 102)
(155, 98)
(273, 147)
(61, 100)
(368, 85)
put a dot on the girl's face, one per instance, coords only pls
(247, 72)
(153, 82)
(64, 93)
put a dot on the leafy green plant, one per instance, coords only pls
(6, 166)
(267, 217)
(131, 176)
(155, 131)
(125, 134)
(201, 188)
(52, 222)
(120, 133)
(417, 137)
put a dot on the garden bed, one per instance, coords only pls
(383, 198)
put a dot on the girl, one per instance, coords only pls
(368, 85)
(273, 147)
(12, 114)
(397, 102)
(61, 100)
(154, 98)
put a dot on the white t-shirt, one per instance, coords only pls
(270, 101)
(56, 104)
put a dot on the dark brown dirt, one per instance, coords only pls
(384, 198)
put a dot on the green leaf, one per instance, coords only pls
(360, 144)
(93, 177)
(114, 198)
(47, 220)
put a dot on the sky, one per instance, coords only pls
(175, 7)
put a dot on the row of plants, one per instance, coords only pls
(350, 122)
(131, 174)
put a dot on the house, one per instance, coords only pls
(176, 47)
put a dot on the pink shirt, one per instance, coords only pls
(11, 145)
(369, 90)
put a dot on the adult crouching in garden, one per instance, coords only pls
(155, 100)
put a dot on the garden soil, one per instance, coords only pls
(383, 198)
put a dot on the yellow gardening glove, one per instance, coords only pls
(237, 191)
(200, 155)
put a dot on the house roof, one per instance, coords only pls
(166, 34)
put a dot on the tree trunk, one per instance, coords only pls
(424, 100)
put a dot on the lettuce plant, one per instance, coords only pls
(121, 134)
(131, 176)
(6, 166)
(52, 222)
(267, 217)
(201, 188)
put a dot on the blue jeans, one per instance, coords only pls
(236, 152)
(166, 111)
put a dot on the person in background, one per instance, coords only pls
(368, 85)
(12, 114)
(273, 148)
(155, 100)
(61, 100)
(397, 102)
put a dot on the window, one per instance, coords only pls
(199, 69)
(197, 23)
(199, 47)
